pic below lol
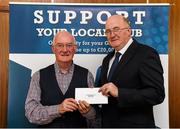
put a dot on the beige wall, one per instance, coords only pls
(174, 53)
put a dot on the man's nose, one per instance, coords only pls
(65, 48)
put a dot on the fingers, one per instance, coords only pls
(71, 103)
(109, 89)
(71, 106)
(68, 105)
(83, 106)
(105, 90)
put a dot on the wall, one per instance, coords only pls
(4, 46)
(174, 47)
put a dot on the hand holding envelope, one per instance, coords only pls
(68, 105)
(83, 106)
(90, 95)
(109, 89)
(83, 98)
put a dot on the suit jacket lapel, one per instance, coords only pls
(106, 66)
(130, 52)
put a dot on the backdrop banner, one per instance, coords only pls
(33, 25)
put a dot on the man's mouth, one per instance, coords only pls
(112, 40)
(64, 54)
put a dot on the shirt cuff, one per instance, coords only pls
(53, 111)
(91, 114)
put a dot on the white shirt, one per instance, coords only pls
(122, 51)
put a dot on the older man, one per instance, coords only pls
(50, 101)
(132, 78)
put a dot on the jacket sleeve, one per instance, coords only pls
(151, 91)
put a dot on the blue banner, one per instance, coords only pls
(33, 26)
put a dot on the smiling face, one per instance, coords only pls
(64, 47)
(118, 31)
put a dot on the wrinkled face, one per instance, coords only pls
(64, 47)
(118, 32)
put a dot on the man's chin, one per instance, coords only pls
(66, 61)
(114, 43)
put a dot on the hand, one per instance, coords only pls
(68, 105)
(109, 89)
(83, 107)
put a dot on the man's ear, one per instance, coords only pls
(130, 31)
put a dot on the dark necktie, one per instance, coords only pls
(114, 65)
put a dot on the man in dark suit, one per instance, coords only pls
(135, 84)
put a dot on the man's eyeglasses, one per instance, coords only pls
(61, 46)
(114, 30)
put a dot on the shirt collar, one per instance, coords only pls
(57, 68)
(123, 50)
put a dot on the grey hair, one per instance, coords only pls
(53, 41)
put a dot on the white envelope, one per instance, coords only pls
(90, 95)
